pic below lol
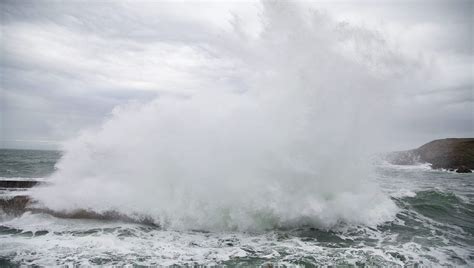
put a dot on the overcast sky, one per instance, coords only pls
(66, 65)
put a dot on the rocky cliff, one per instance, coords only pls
(451, 154)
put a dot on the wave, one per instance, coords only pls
(148, 246)
(45, 240)
(288, 148)
(418, 166)
(443, 207)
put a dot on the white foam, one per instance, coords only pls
(403, 193)
(72, 241)
(22, 179)
(418, 166)
(289, 148)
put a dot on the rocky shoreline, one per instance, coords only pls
(454, 154)
(16, 205)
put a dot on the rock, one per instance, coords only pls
(448, 153)
(20, 204)
(17, 184)
(14, 206)
(463, 169)
(451, 154)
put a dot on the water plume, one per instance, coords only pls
(286, 141)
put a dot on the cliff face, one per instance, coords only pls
(448, 153)
(454, 154)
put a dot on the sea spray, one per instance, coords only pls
(284, 143)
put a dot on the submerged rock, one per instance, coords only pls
(463, 169)
(452, 154)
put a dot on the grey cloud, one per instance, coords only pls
(65, 65)
(111, 20)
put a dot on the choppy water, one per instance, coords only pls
(27, 163)
(434, 227)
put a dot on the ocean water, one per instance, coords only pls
(31, 164)
(433, 226)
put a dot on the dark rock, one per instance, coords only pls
(92, 215)
(448, 154)
(463, 169)
(17, 184)
(15, 206)
(20, 204)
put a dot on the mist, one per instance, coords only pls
(315, 101)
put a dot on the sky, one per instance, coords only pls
(65, 65)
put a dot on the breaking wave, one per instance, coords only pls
(286, 145)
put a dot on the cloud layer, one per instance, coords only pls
(64, 66)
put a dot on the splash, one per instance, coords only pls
(284, 143)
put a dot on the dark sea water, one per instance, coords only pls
(27, 163)
(434, 227)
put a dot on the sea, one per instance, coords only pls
(434, 227)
